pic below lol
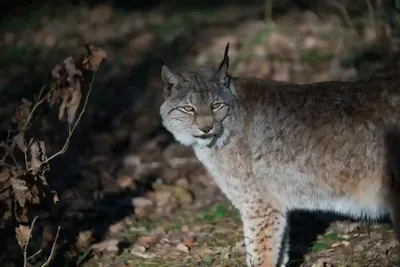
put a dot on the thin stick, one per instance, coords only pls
(27, 241)
(70, 132)
(34, 255)
(52, 248)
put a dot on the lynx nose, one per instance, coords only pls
(206, 128)
(205, 123)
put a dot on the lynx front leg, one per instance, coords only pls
(264, 229)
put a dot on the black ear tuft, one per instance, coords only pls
(225, 60)
(222, 72)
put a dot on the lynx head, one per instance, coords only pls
(200, 108)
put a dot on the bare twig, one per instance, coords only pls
(27, 241)
(71, 131)
(37, 104)
(34, 255)
(43, 87)
(52, 248)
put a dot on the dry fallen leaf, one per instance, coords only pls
(56, 71)
(108, 245)
(116, 227)
(141, 202)
(141, 252)
(182, 247)
(21, 190)
(71, 69)
(188, 241)
(19, 140)
(126, 181)
(71, 98)
(94, 58)
(71, 95)
(5, 175)
(185, 228)
(84, 239)
(73, 104)
(147, 241)
(37, 151)
(22, 233)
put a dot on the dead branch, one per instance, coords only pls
(52, 248)
(27, 243)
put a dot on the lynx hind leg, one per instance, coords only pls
(264, 229)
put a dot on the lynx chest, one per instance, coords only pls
(230, 169)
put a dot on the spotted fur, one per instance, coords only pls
(275, 147)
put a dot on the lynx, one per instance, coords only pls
(273, 147)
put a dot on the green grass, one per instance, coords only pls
(219, 211)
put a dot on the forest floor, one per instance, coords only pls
(131, 196)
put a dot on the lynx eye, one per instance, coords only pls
(216, 106)
(188, 108)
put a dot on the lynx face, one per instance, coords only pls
(199, 110)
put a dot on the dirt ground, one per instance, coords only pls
(131, 196)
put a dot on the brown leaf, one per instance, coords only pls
(108, 245)
(4, 176)
(84, 239)
(142, 202)
(21, 190)
(116, 227)
(71, 69)
(37, 151)
(70, 95)
(188, 241)
(71, 98)
(185, 228)
(55, 95)
(56, 71)
(94, 58)
(182, 247)
(63, 107)
(73, 104)
(22, 233)
(21, 114)
(147, 240)
(19, 140)
(126, 181)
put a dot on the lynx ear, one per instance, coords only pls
(169, 77)
(222, 73)
(170, 80)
